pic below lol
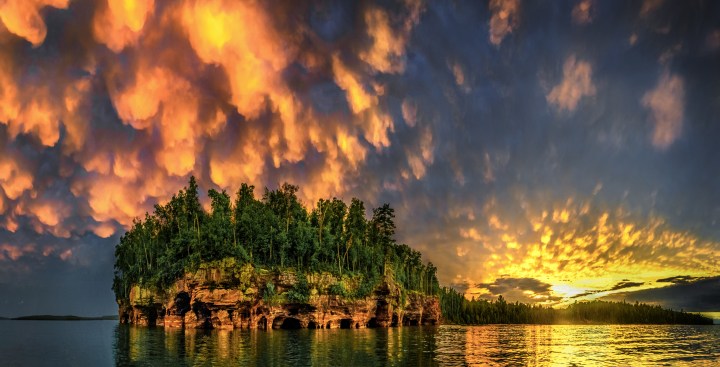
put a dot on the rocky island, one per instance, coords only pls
(270, 263)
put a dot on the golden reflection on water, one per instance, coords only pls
(586, 345)
(490, 345)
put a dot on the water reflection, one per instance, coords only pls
(492, 345)
(140, 346)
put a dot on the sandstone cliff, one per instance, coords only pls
(227, 296)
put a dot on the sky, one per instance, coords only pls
(546, 151)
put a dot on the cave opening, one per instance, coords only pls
(182, 303)
(328, 325)
(293, 311)
(373, 322)
(291, 323)
(345, 323)
(262, 323)
(394, 321)
(312, 325)
(202, 312)
(151, 316)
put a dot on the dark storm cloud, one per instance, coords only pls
(700, 295)
(527, 290)
(620, 285)
(680, 279)
(503, 285)
(625, 284)
(502, 145)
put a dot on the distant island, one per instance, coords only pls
(456, 308)
(271, 263)
(62, 318)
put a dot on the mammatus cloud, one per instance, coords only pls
(22, 18)
(576, 83)
(582, 12)
(666, 103)
(119, 23)
(194, 87)
(504, 19)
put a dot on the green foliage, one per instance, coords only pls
(269, 292)
(457, 309)
(275, 232)
(300, 292)
(337, 289)
(364, 289)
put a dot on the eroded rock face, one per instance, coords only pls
(211, 298)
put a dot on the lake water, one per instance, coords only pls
(105, 343)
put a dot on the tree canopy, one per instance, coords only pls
(275, 232)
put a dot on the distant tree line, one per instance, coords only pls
(459, 310)
(275, 232)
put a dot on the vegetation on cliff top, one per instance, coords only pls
(276, 232)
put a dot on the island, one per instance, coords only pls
(63, 318)
(270, 263)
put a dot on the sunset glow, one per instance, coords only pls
(528, 152)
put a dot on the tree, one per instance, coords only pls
(383, 230)
(354, 231)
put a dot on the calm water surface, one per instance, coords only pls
(105, 343)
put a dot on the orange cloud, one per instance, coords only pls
(576, 83)
(666, 103)
(8, 251)
(14, 179)
(113, 199)
(409, 112)
(388, 45)
(422, 156)
(27, 110)
(119, 23)
(22, 18)
(504, 19)
(104, 230)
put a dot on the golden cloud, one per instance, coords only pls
(579, 246)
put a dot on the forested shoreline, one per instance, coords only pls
(277, 233)
(457, 309)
